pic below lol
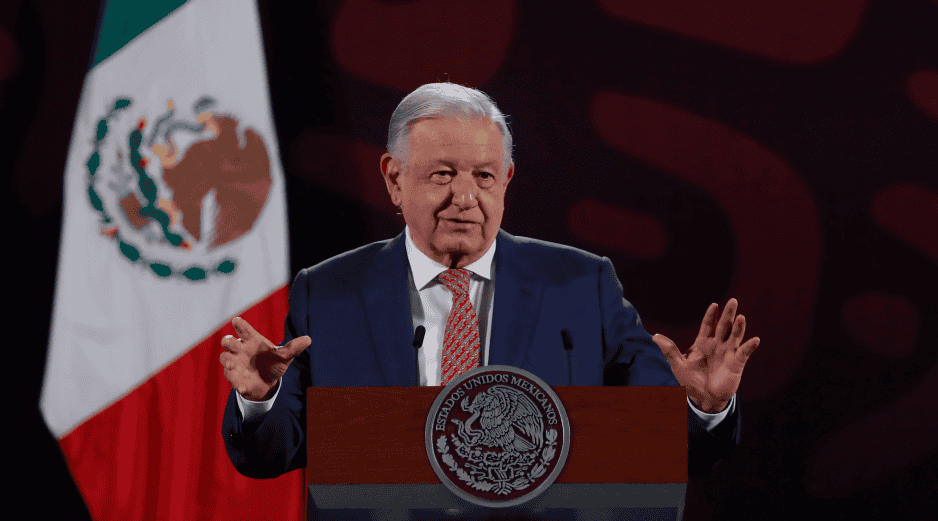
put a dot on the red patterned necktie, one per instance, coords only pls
(461, 341)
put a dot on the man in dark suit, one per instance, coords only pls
(352, 317)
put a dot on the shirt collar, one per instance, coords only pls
(426, 270)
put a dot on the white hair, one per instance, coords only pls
(442, 100)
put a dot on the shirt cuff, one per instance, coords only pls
(251, 409)
(710, 421)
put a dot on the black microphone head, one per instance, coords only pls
(418, 336)
(567, 339)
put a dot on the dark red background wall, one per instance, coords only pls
(782, 152)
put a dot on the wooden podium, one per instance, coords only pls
(365, 450)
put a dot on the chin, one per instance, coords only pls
(460, 245)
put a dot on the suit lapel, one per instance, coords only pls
(517, 304)
(387, 308)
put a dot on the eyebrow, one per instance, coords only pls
(475, 167)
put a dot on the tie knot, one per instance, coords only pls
(456, 280)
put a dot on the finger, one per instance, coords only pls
(245, 331)
(709, 321)
(293, 348)
(668, 347)
(726, 320)
(232, 344)
(739, 329)
(746, 349)
(229, 370)
(228, 361)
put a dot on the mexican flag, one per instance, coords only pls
(174, 222)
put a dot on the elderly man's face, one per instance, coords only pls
(452, 190)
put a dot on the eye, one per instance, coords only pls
(486, 179)
(442, 177)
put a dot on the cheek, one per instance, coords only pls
(428, 198)
(492, 206)
(417, 202)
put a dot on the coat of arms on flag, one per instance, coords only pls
(176, 182)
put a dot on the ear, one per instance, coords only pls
(391, 170)
(510, 173)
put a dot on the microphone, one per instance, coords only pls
(418, 336)
(567, 338)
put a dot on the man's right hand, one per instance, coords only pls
(253, 364)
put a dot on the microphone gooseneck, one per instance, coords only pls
(419, 333)
(567, 338)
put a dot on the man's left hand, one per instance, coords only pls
(711, 369)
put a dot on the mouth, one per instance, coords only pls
(460, 222)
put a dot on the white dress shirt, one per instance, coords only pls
(430, 304)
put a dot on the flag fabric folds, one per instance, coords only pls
(174, 222)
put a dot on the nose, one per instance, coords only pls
(465, 192)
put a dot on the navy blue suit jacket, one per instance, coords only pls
(355, 307)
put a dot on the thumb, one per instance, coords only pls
(294, 347)
(668, 347)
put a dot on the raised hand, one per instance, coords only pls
(253, 364)
(711, 369)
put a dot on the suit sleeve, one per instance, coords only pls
(275, 442)
(631, 357)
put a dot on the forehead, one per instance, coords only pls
(456, 139)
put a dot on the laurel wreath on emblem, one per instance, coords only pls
(508, 470)
(126, 247)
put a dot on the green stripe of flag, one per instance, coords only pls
(123, 20)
